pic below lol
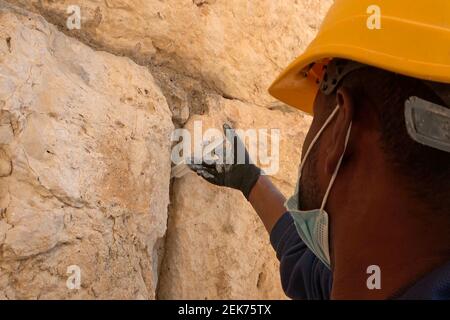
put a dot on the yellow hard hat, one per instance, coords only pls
(412, 39)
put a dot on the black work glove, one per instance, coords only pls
(237, 176)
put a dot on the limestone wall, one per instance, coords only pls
(85, 122)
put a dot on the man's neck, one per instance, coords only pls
(383, 227)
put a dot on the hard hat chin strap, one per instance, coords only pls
(427, 123)
(337, 69)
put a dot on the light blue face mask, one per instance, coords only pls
(312, 226)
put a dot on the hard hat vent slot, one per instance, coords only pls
(335, 72)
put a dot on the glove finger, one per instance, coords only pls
(211, 165)
(237, 144)
(200, 166)
(208, 176)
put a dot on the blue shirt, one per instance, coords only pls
(303, 276)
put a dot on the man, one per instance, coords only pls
(371, 215)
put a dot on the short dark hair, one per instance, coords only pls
(426, 170)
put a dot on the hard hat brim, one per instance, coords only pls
(400, 51)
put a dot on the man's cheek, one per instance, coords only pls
(312, 132)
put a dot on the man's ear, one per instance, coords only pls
(340, 128)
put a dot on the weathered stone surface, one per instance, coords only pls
(85, 148)
(84, 166)
(236, 46)
(216, 246)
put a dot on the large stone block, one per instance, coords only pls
(84, 166)
(238, 47)
(217, 248)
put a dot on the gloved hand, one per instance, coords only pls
(237, 176)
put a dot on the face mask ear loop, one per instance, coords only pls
(313, 142)
(333, 178)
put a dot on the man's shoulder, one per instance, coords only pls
(434, 286)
